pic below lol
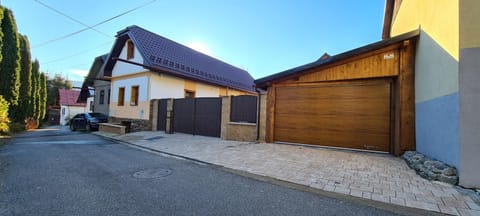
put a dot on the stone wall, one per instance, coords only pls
(263, 117)
(235, 130)
(136, 124)
(241, 132)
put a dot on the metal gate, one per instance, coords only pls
(162, 115)
(197, 116)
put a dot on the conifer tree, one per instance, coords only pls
(21, 111)
(34, 96)
(10, 64)
(43, 96)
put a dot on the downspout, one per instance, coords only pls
(258, 113)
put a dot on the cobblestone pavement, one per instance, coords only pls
(373, 176)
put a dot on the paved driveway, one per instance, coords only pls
(57, 172)
(370, 176)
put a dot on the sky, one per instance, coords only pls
(261, 36)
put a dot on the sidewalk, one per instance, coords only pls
(378, 177)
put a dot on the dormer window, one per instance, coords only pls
(130, 50)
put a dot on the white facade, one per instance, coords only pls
(89, 105)
(67, 112)
(151, 85)
(164, 86)
(123, 68)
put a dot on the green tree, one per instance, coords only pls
(10, 64)
(33, 108)
(43, 95)
(3, 116)
(57, 82)
(21, 111)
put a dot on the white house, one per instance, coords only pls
(143, 66)
(68, 105)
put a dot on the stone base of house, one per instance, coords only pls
(135, 124)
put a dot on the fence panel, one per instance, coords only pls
(244, 109)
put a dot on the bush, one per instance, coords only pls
(16, 127)
(4, 120)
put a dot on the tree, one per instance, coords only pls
(21, 111)
(3, 116)
(33, 108)
(58, 82)
(10, 64)
(43, 95)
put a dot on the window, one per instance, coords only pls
(63, 111)
(189, 94)
(130, 49)
(134, 96)
(108, 97)
(102, 97)
(121, 96)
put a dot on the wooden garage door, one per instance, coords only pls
(349, 115)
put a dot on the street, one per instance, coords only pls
(58, 172)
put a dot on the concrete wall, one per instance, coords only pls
(447, 73)
(469, 79)
(105, 86)
(436, 75)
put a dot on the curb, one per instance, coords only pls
(403, 210)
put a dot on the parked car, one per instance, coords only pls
(87, 121)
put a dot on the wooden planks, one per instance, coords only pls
(382, 64)
(348, 115)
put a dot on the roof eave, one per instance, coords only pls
(263, 82)
(388, 18)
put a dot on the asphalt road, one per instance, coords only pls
(58, 172)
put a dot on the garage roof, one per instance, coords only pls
(326, 60)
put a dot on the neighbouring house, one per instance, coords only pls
(447, 76)
(99, 99)
(69, 105)
(360, 99)
(143, 66)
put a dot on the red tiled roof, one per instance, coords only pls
(69, 97)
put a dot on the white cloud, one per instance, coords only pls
(77, 74)
(199, 46)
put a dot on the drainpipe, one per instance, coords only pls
(258, 112)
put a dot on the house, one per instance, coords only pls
(68, 105)
(447, 73)
(143, 66)
(360, 99)
(99, 100)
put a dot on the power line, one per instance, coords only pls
(76, 54)
(100, 23)
(71, 18)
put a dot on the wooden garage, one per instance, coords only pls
(361, 99)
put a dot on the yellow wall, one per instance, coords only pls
(469, 24)
(438, 18)
(223, 91)
(132, 112)
(190, 85)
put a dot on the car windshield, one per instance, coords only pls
(97, 115)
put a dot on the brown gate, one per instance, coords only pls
(162, 115)
(197, 116)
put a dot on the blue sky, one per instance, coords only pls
(262, 37)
